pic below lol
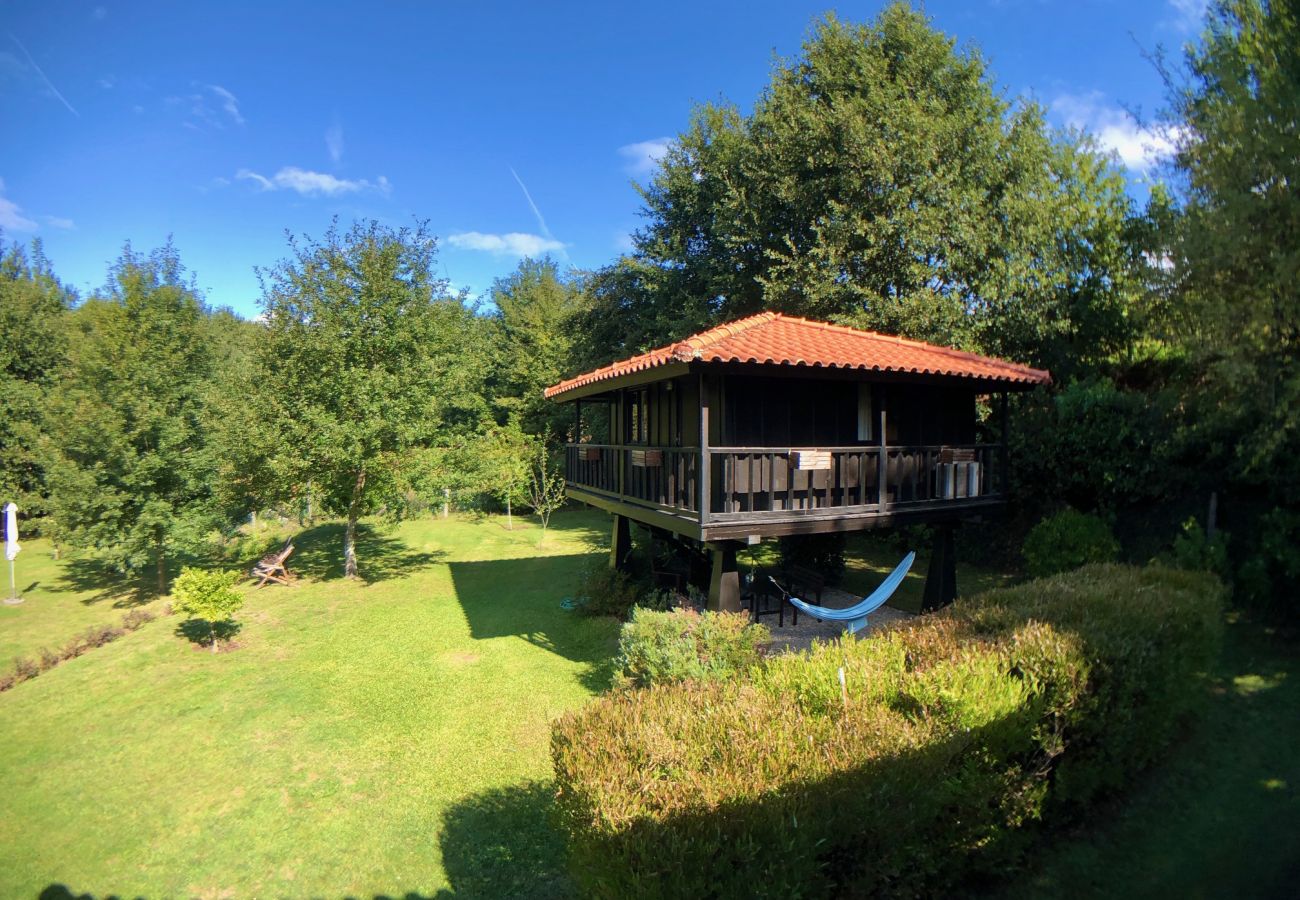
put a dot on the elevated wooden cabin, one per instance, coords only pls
(773, 425)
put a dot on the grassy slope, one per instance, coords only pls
(60, 599)
(390, 737)
(367, 739)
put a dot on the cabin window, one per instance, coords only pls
(865, 413)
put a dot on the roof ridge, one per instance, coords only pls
(693, 344)
(967, 355)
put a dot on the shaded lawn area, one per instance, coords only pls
(379, 738)
(1218, 817)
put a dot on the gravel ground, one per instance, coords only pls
(793, 638)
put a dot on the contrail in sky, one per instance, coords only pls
(49, 84)
(541, 222)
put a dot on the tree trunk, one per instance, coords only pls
(510, 523)
(162, 572)
(350, 536)
(212, 630)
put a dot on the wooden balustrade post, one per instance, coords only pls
(883, 463)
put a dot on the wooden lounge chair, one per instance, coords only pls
(271, 567)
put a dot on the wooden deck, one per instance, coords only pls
(733, 493)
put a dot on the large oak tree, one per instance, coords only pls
(366, 360)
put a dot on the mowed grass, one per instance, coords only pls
(60, 598)
(376, 738)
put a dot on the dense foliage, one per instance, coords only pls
(131, 467)
(658, 647)
(882, 181)
(364, 361)
(1067, 540)
(955, 733)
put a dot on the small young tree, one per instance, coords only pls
(505, 461)
(545, 488)
(209, 596)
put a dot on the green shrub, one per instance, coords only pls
(1194, 550)
(605, 591)
(209, 596)
(1269, 576)
(1067, 540)
(953, 732)
(683, 645)
(822, 553)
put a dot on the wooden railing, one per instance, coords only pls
(765, 482)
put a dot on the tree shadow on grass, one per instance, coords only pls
(103, 584)
(197, 631)
(502, 843)
(318, 554)
(521, 598)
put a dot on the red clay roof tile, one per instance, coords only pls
(774, 339)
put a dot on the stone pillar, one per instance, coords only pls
(620, 543)
(941, 579)
(724, 584)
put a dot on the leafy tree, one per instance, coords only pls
(130, 472)
(365, 363)
(33, 349)
(881, 181)
(1236, 259)
(208, 596)
(505, 459)
(534, 320)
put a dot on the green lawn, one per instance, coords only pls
(60, 598)
(390, 737)
(377, 738)
(1218, 817)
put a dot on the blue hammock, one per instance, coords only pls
(856, 615)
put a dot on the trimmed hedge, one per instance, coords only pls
(1066, 540)
(655, 647)
(958, 729)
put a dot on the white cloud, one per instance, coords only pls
(1188, 14)
(1116, 131)
(107, 82)
(58, 222)
(513, 244)
(11, 214)
(310, 184)
(99, 13)
(229, 103)
(334, 141)
(643, 157)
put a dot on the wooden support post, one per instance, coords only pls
(724, 583)
(941, 580)
(706, 463)
(1004, 475)
(620, 543)
(882, 466)
(577, 421)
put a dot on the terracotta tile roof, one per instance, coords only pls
(774, 339)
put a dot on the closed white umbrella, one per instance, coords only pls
(12, 549)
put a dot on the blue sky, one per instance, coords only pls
(513, 128)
